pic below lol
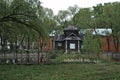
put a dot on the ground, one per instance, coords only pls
(64, 71)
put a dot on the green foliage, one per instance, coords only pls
(82, 19)
(92, 43)
(23, 18)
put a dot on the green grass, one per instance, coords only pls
(69, 71)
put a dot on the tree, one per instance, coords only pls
(92, 43)
(83, 18)
(111, 13)
(62, 19)
(17, 15)
(72, 12)
(107, 16)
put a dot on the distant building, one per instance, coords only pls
(109, 44)
(69, 41)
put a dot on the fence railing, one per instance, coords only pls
(31, 58)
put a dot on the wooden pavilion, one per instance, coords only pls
(69, 41)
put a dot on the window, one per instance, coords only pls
(59, 44)
(72, 45)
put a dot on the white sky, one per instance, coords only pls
(57, 5)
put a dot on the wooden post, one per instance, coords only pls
(78, 46)
(66, 47)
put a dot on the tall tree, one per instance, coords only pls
(92, 43)
(107, 16)
(83, 18)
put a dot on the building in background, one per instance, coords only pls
(109, 42)
(69, 41)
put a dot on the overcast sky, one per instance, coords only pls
(57, 5)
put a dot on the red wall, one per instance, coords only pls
(105, 44)
(50, 44)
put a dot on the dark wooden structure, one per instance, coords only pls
(69, 41)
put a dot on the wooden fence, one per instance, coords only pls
(31, 58)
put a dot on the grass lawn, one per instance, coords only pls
(69, 71)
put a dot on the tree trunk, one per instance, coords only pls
(116, 42)
(4, 43)
(108, 44)
(1, 44)
(16, 49)
(40, 45)
(38, 54)
(21, 41)
(28, 50)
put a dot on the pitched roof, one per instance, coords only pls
(59, 37)
(99, 31)
(71, 28)
(72, 36)
(103, 32)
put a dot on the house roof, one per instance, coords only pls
(102, 32)
(99, 31)
(72, 36)
(52, 33)
(71, 28)
(59, 37)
